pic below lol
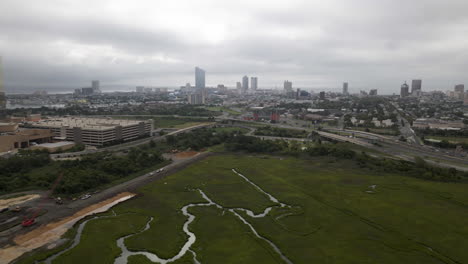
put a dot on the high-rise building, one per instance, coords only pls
(345, 88)
(87, 91)
(322, 95)
(287, 86)
(416, 86)
(140, 89)
(245, 84)
(2, 88)
(239, 87)
(459, 92)
(404, 90)
(95, 86)
(373, 92)
(254, 83)
(196, 98)
(199, 78)
(460, 88)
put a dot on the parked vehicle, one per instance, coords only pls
(58, 200)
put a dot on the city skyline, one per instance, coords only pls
(309, 42)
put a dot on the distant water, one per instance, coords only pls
(17, 106)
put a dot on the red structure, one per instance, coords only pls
(30, 221)
(275, 117)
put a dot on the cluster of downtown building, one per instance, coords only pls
(94, 89)
(458, 92)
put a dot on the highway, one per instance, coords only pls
(393, 146)
(344, 139)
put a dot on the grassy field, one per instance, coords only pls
(222, 109)
(335, 215)
(232, 129)
(450, 139)
(380, 131)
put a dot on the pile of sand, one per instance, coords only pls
(17, 200)
(53, 231)
(186, 154)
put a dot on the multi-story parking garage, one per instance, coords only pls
(94, 131)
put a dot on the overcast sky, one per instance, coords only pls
(64, 44)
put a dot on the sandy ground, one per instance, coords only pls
(186, 154)
(53, 231)
(17, 200)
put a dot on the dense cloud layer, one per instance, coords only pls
(62, 44)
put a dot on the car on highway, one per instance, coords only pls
(86, 196)
(160, 170)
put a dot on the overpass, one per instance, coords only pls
(343, 139)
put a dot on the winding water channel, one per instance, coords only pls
(77, 238)
(123, 258)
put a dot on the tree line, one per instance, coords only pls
(35, 170)
(417, 169)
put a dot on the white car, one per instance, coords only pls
(86, 196)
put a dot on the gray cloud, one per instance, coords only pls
(316, 44)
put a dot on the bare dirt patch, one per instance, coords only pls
(51, 232)
(186, 154)
(17, 200)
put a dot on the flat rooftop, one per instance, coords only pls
(56, 144)
(85, 123)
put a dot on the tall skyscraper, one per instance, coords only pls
(245, 84)
(460, 88)
(416, 86)
(345, 88)
(95, 86)
(460, 91)
(404, 90)
(2, 88)
(199, 78)
(287, 86)
(140, 89)
(373, 92)
(322, 95)
(254, 83)
(239, 87)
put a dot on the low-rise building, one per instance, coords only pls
(94, 131)
(433, 123)
(54, 147)
(387, 123)
(24, 138)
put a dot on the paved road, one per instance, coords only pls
(344, 139)
(403, 149)
(55, 212)
(405, 128)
